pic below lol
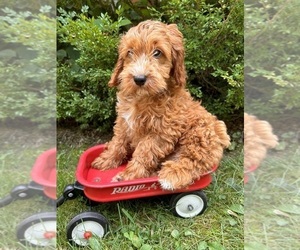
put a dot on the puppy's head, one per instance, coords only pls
(151, 59)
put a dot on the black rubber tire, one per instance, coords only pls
(37, 224)
(188, 205)
(86, 221)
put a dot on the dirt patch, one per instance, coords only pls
(76, 137)
(26, 137)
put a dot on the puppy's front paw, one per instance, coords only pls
(103, 164)
(117, 178)
(124, 176)
(132, 171)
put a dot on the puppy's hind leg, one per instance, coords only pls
(200, 151)
(177, 174)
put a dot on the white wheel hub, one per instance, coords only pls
(82, 232)
(189, 206)
(41, 234)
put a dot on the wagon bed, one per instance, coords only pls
(98, 185)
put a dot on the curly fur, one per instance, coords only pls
(159, 127)
(258, 138)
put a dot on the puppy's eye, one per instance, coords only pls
(157, 53)
(129, 53)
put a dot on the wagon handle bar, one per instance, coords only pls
(21, 192)
(6, 200)
(60, 201)
(71, 192)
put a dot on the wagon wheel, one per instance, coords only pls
(188, 205)
(84, 226)
(38, 230)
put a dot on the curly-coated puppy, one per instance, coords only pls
(258, 138)
(158, 125)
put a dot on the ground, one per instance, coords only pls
(149, 223)
(20, 146)
(272, 202)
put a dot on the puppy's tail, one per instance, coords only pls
(221, 131)
(264, 131)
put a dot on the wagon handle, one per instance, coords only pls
(60, 201)
(71, 192)
(6, 200)
(21, 192)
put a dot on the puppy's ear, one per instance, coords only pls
(178, 70)
(114, 79)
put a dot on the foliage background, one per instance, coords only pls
(272, 62)
(88, 35)
(87, 52)
(27, 68)
(28, 104)
(272, 200)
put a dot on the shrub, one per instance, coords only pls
(88, 51)
(28, 68)
(214, 51)
(82, 92)
(272, 56)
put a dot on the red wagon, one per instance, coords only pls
(97, 186)
(38, 230)
(248, 171)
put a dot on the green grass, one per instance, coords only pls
(272, 202)
(19, 149)
(148, 223)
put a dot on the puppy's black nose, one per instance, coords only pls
(140, 79)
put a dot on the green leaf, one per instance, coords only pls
(281, 146)
(202, 245)
(237, 208)
(124, 22)
(215, 246)
(135, 240)
(175, 234)
(254, 246)
(282, 222)
(189, 233)
(232, 146)
(146, 247)
(290, 208)
(232, 222)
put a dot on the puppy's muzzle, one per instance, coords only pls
(140, 80)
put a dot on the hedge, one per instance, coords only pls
(87, 52)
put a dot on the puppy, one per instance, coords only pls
(258, 138)
(158, 125)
